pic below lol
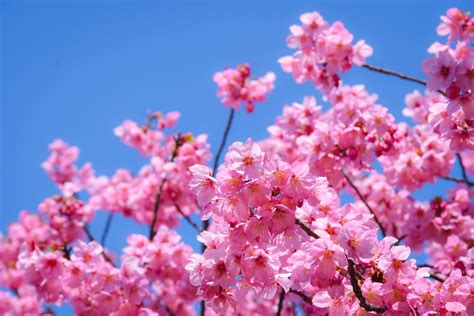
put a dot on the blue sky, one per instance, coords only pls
(77, 69)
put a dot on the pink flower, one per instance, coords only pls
(246, 159)
(440, 70)
(234, 87)
(202, 184)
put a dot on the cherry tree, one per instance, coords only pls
(276, 237)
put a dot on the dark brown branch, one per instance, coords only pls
(91, 238)
(458, 180)
(358, 292)
(399, 75)
(106, 229)
(303, 296)
(361, 197)
(205, 223)
(306, 229)
(437, 277)
(463, 169)
(223, 141)
(156, 205)
(281, 299)
(434, 276)
(394, 73)
(48, 311)
(188, 219)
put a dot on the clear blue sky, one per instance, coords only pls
(77, 70)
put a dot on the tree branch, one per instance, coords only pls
(303, 296)
(106, 229)
(91, 238)
(280, 302)
(361, 197)
(306, 229)
(463, 169)
(188, 219)
(458, 180)
(358, 292)
(394, 73)
(399, 75)
(156, 206)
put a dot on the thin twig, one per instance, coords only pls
(48, 311)
(459, 180)
(394, 73)
(361, 197)
(91, 238)
(188, 219)
(437, 277)
(305, 298)
(218, 156)
(306, 229)
(358, 292)
(223, 141)
(399, 75)
(463, 169)
(434, 276)
(156, 205)
(280, 302)
(108, 223)
(205, 223)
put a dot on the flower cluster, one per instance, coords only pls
(451, 71)
(61, 168)
(276, 226)
(167, 173)
(278, 238)
(350, 135)
(234, 87)
(323, 51)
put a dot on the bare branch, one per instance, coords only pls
(458, 180)
(156, 206)
(358, 292)
(394, 73)
(91, 238)
(361, 197)
(306, 229)
(188, 219)
(106, 229)
(303, 296)
(280, 302)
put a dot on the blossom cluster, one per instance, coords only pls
(235, 86)
(279, 236)
(322, 51)
(277, 226)
(451, 71)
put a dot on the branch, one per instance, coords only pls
(107, 228)
(91, 238)
(458, 180)
(361, 197)
(394, 73)
(223, 141)
(358, 292)
(306, 229)
(399, 75)
(48, 311)
(434, 276)
(303, 296)
(214, 170)
(188, 219)
(463, 169)
(280, 302)
(156, 206)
